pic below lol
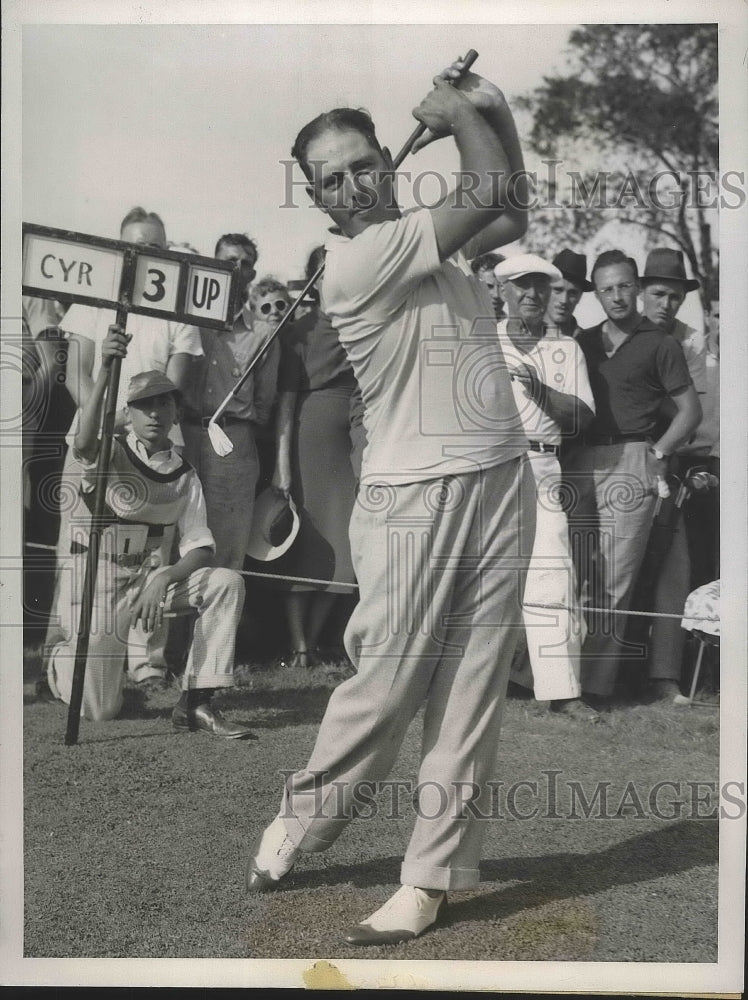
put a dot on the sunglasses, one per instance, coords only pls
(279, 305)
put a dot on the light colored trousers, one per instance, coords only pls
(610, 520)
(229, 484)
(441, 568)
(554, 638)
(216, 594)
(146, 649)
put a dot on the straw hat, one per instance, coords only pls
(275, 525)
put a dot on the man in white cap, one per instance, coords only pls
(553, 396)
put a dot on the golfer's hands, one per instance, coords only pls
(114, 345)
(149, 605)
(483, 95)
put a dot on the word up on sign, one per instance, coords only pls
(170, 284)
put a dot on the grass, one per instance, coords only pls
(135, 839)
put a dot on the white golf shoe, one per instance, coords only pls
(273, 857)
(404, 916)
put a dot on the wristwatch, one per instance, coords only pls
(659, 455)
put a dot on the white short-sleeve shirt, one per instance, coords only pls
(694, 347)
(559, 363)
(421, 337)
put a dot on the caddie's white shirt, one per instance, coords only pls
(153, 342)
(559, 363)
(421, 337)
(192, 525)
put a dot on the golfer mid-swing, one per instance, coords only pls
(444, 522)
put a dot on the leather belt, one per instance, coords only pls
(614, 438)
(541, 446)
(221, 421)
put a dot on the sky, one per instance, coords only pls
(195, 121)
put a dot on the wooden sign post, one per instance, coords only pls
(111, 274)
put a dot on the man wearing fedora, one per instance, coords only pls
(664, 286)
(553, 396)
(633, 366)
(566, 291)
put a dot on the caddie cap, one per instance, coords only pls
(152, 383)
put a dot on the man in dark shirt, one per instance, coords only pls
(633, 366)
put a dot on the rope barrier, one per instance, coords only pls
(543, 607)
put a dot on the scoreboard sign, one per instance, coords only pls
(111, 274)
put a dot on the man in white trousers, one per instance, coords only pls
(554, 398)
(443, 523)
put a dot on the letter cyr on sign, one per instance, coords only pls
(70, 268)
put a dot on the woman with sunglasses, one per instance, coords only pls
(316, 449)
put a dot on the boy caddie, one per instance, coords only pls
(151, 493)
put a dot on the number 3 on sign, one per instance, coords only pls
(156, 283)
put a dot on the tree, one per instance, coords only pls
(643, 98)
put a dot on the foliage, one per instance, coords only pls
(645, 98)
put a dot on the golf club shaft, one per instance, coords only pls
(470, 57)
(468, 61)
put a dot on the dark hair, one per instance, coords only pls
(315, 258)
(486, 262)
(238, 240)
(610, 257)
(337, 120)
(139, 214)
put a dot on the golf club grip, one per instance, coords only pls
(470, 56)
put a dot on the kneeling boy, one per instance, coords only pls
(151, 492)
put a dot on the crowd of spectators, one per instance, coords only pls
(622, 411)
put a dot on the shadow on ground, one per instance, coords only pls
(675, 848)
